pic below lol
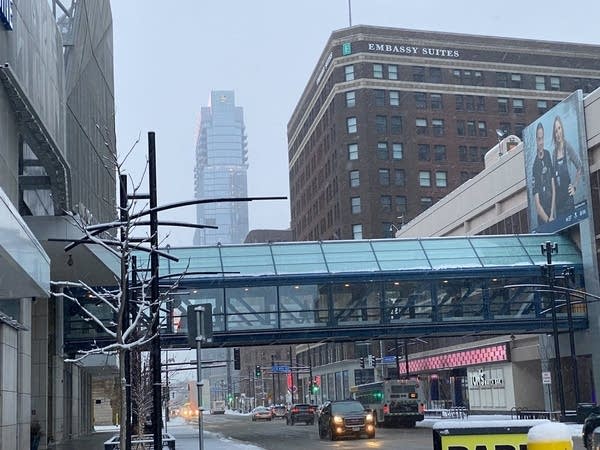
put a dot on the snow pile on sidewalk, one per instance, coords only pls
(219, 442)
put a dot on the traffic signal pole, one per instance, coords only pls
(310, 384)
(155, 361)
(291, 375)
(273, 377)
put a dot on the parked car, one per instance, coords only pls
(345, 418)
(261, 413)
(589, 425)
(278, 411)
(301, 412)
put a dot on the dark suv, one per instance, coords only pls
(345, 418)
(589, 425)
(301, 412)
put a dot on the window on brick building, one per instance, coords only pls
(350, 99)
(349, 73)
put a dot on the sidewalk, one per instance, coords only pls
(186, 439)
(93, 441)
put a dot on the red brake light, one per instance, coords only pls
(295, 410)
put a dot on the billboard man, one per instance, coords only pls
(544, 187)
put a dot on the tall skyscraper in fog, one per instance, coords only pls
(221, 166)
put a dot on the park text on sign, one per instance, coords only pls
(546, 378)
(6, 13)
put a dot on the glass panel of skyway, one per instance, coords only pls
(334, 257)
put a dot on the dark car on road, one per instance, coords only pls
(300, 412)
(589, 425)
(345, 418)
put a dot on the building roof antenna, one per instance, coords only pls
(350, 13)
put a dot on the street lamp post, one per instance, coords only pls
(291, 375)
(548, 271)
(273, 377)
(569, 275)
(199, 310)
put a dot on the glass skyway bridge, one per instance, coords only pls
(283, 293)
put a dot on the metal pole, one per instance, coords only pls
(561, 394)
(229, 378)
(273, 377)
(168, 394)
(573, 353)
(170, 328)
(249, 388)
(397, 359)
(279, 387)
(406, 358)
(310, 376)
(135, 355)
(350, 12)
(548, 249)
(292, 374)
(124, 216)
(199, 336)
(297, 383)
(154, 289)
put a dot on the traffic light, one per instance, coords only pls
(314, 387)
(378, 395)
(229, 398)
(258, 372)
(236, 359)
(362, 362)
(373, 361)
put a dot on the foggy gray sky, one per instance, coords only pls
(169, 55)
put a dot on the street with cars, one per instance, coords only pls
(277, 435)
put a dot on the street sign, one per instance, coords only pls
(280, 369)
(389, 359)
(546, 378)
(206, 328)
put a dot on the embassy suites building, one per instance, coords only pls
(392, 120)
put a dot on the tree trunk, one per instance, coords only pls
(123, 407)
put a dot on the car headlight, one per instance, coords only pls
(369, 417)
(338, 420)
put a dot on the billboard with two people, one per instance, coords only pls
(556, 167)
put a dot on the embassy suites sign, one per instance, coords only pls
(413, 50)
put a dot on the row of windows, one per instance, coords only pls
(434, 101)
(384, 177)
(381, 124)
(383, 151)
(379, 96)
(385, 204)
(423, 126)
(471, 128)
(441, 178)
(518, 105)
(387, 228)
(471, 77)
(424, 151)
